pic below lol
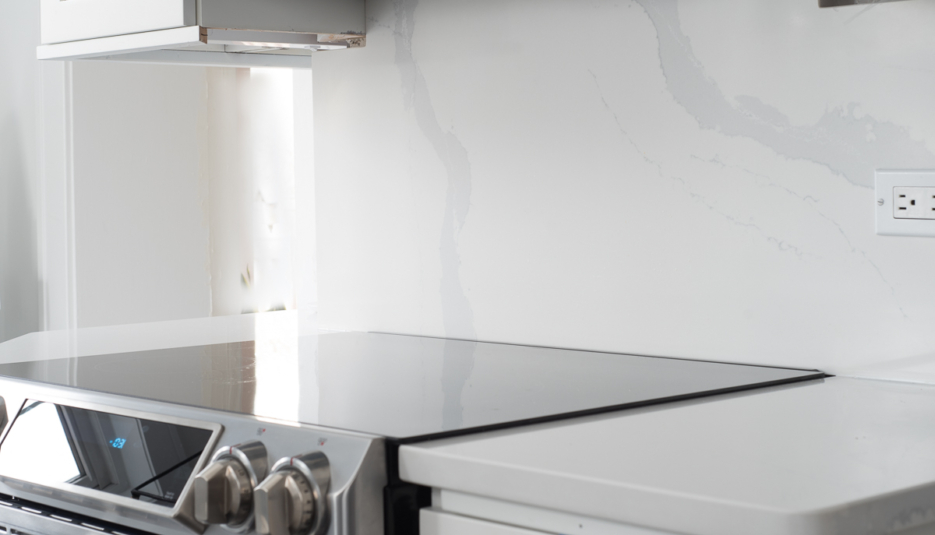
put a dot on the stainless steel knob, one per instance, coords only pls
(285, 504)
(293, 499)
(3, 415)
(224, 489)
(223, 493)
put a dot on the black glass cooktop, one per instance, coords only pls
(403, 387)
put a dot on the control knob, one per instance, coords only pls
(293, 499)
(224, 489)
(3, 415)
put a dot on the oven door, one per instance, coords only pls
(75, 20)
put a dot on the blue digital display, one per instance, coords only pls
(58, 444)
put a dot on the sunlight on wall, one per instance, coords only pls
(277, 366)
(271, 145)
(250, 181)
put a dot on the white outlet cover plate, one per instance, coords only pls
(887, 225)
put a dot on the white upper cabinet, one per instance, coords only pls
(75, 20)
(238, 33)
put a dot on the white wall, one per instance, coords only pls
(185, 190)
(19, 170)
(127, 138)
(649, 176)
(141, 232)
(115, 184)
(249, 165)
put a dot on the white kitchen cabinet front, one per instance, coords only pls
(434, 522)
(74, 20)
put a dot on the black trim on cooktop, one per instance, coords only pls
(598, 351)
(818, 375)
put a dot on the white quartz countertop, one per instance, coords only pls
(839, 456)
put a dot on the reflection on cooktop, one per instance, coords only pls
(405, 387)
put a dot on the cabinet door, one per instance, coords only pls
(75, 20)
(435, 522)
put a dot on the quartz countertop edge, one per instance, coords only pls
(852, 463)
(595, 498)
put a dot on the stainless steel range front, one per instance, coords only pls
(227, 438)
(88, 462)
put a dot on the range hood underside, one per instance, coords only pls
(195, 45)
(839, 3)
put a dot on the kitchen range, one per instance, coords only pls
(195, 428)
(183, 440)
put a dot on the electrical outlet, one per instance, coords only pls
(914, 203)
(905, 203)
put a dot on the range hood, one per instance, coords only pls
(226, 33)
(838, 3)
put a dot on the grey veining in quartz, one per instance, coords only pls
(404, 387)
(662, 177)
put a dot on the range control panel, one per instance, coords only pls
(75, 461)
